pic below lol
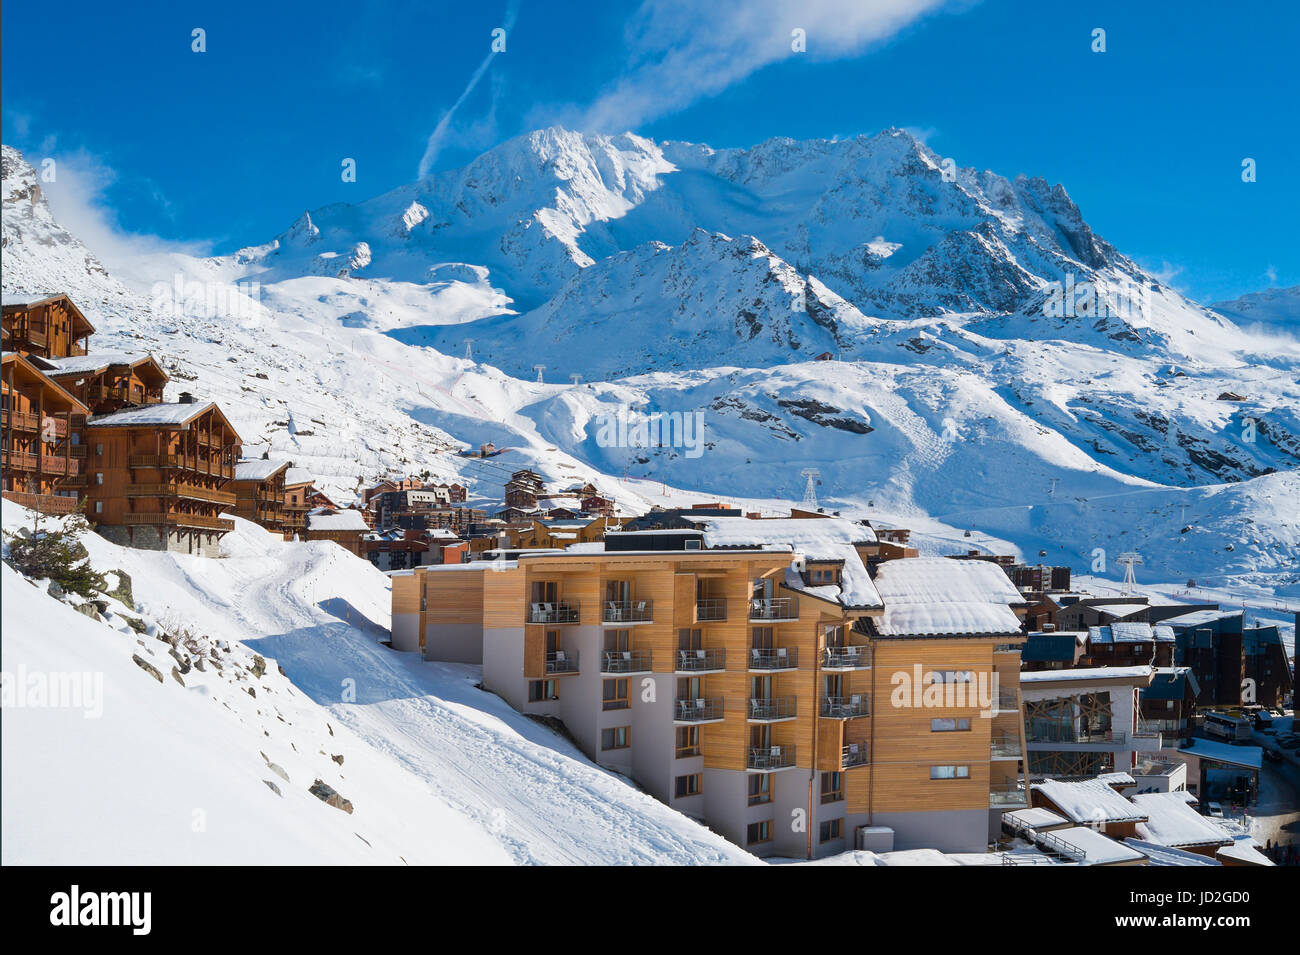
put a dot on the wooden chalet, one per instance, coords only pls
(345, 526)
(298, 490)
(159, 475)
(259, 487)
(43, 456)
(109, 382)
(50, 326)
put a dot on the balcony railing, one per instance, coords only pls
(563, 612)
(45, 503)
(766, 759)
(625, 661)
(710, 609)
(1010, 796)
(779, 658)
(21, 420)
(769, 709)
(854, 754)
(846, 658)
(59, 465)
(194, 491)
(701, 661)
(562, 661)
(20, 460)
(845, 707)
(627, 611)
(774, 608)
(1004, 747)
(698, 711)
(179, 519)
(1067, 734)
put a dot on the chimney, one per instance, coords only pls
(186, 398)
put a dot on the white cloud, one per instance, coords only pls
(438, 138)
(78, 199)
(681, 51)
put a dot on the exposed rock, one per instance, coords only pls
(176, 675)
(338, 758)
(122, 591)
(273, 787)
(54, 590)
(88, 610)
(147, 667)
(259, 666)
(326, 794)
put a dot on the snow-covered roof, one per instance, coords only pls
(1088, 674)
(1089, 801)
(1116, 779)
(258, 469)
(586, 547)
(1122, 632)
(1243, 850)
(1167, 855)
(1250, 757)
(937, 595)
(298, 476)
(346, 519)
(1198, 617)
(1172, 822)
(173, 413)
(1095, 848)
(817, 538)
(82, 364)
(1120, 610)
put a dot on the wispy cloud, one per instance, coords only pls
(681, 51)
(78, 197)
(437, 138)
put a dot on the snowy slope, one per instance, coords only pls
(712, 277)
(437, 771)
(1276, 306)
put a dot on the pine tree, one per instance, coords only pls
(56, 553)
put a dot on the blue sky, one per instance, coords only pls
(226, 148)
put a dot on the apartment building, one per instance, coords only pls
(43, 456)
(750, 674)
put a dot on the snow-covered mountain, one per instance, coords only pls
(1001, 367)
(1276, 306)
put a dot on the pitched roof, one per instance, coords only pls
(1089, 801)
(99, 361)
(259, 469)
(165, 413)
(326, 519)
(934, 595)
(1173, 822)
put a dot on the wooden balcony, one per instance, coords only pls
(178, 519)
(19, 460)
(178, 490)
(45, 503)
(166, 461)
(27, 421)
(59, 465)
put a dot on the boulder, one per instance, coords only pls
(147, 667)
(326, 794)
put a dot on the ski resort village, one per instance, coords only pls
(783, 684)
(601, 499)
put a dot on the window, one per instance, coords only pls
(688, 785)
(760, 789)
(823, 575)
(616, 737)
(950, 725)
(541, 690)
(614, 695)
(99, 449)
(99, 507)
(832, 788)
(951, 676)
(950, 772)
(688, 741)
(757, 832)
(831, 829)
(99, 477)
